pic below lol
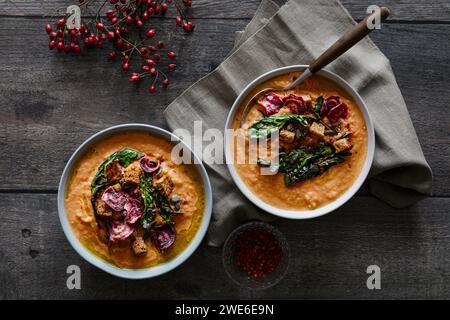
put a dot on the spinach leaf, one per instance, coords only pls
(317, 106)
(264, 127)
(125, 156)
(165, 210)
(147, 194)
(303, 163)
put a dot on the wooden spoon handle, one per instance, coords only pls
(347, 41)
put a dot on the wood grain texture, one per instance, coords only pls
(329, 258)
(402, 10)
(53, 102)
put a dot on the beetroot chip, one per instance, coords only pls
(134, 211)
(149, 165)
(339, 111)
(334, 108)
(270, 104)
(120, 230)
(115, 199)
(164, 238)
(295, 103)
(329, 103)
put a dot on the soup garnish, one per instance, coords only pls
(132, 199)
(300, 149)
(313, 135)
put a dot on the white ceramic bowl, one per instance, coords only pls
(110, 268)
(306, 214)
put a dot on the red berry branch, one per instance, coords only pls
(128, 26)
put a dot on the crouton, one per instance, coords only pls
(287, 136)
(310, 141)
(114, 171)
(132, 173)
(139, 246)
(342, 145)
(317, 129)
(165, 186)
(102, 208)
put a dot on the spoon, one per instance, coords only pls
(347, 41)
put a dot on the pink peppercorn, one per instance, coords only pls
(257, 252)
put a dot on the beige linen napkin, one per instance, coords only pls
(295, 34)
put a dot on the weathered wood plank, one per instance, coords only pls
(50, 103)
(329, 256)
(403, 10)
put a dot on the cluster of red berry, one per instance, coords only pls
(123, 27)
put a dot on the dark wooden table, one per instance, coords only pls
(51, 103)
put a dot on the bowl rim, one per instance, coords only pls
(347, 195)
(85, 253)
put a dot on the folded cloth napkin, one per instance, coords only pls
(295, 34)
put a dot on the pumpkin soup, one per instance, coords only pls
(321, 140)
(129, 204)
